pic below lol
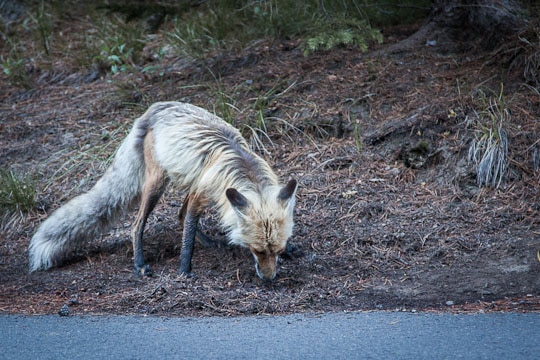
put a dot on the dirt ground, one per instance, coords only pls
(389, 213)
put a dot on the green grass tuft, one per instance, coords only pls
(16, 193)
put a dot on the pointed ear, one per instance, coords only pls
(237, 200)
(288, 191)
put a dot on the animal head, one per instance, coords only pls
(264, 224)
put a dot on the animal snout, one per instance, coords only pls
(266, 266)
(265, 274)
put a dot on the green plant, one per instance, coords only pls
(343, 34)
(119, 58)
(192, 36)
(153, 69)
(16, 193)
(42, 20)
(229, 23)
(489, 149)
(113, 44)
(15, 70)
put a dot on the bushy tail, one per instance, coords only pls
(87, 216)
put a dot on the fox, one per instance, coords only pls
(199, 153)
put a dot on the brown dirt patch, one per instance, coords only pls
(396, 222)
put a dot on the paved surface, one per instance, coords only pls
(375, 335)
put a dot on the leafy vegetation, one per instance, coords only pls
(358, 36)
(14, 68)
(321, 24)
(115, 44)
(115, 33)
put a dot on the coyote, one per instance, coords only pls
(201, 154)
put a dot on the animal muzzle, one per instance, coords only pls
(266, 266)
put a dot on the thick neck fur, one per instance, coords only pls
(206, 156)
(249, 175)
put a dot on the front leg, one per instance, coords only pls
(204, 239)
(191, 215)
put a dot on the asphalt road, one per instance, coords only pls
(373, 335)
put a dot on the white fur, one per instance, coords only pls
(86, 216)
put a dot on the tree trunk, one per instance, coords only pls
(462, 24)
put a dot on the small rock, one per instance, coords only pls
(64, 310)
(73, 301)
(449, 303)
(394, 171)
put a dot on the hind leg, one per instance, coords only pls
(155, 183)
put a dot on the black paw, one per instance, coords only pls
(205, 240)
(144, 270)
(292, 251)
(187, 274)
(210, 242)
